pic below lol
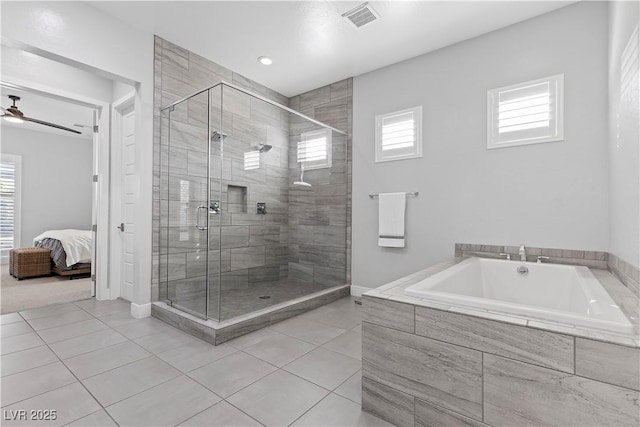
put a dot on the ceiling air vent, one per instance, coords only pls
(361, 15)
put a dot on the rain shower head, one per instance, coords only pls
(263, 148)
(218, 136)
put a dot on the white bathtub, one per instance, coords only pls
(568, 295)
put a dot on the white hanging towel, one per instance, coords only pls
(391, 219)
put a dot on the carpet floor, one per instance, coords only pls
(18, 295)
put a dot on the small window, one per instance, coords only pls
(251, 160)
(314, 149)
(526, 113)
(399, 135)
(9, 202)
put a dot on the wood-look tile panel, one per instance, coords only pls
(444, 374)
(607, 362)
(387, 313)
(517, 393)
(542, 348)
(427, 415)
(385, 402)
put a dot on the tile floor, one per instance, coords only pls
(97, 366)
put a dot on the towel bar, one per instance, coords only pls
(412, 193)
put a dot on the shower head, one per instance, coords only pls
(263, 148)
(218, 136)
(302, 183)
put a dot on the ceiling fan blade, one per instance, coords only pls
(40, 122)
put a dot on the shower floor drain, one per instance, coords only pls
(265, 297)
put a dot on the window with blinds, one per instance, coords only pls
(526, 113)
(251, 160)
(314, 149)
(9, 202)
(399, 135)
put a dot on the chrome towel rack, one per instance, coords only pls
(412, 193)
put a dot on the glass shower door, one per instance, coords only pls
(186, 194)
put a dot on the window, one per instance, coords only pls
(251, 160)
(9, 202)
(314, 149)
(399, 135)
(526, 113)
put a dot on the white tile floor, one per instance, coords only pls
(97, 366)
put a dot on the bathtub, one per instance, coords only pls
(564, 294)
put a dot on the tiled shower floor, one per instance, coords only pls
(236, 302)
(95, 365)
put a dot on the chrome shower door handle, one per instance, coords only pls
(206, 208)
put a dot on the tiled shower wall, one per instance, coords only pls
(255, 248)
(319, 218)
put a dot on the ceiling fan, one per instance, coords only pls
(12, 114)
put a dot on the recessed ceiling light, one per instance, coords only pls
(265, 60)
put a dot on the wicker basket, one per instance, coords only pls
(29, 262)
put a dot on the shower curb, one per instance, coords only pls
(218, 332)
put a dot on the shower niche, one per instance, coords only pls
(275, 241)
(237, 198)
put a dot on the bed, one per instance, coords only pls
(70, 251)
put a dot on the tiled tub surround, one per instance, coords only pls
(430, 364)
(303, 237)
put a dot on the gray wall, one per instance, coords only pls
(624, 125)
(56, 180)
(546, 195)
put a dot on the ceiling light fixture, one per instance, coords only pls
(12, 114)
(265, 60)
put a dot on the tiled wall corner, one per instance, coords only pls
(627, 273)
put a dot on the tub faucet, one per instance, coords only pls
(523, 253)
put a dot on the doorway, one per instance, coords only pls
(50, 200)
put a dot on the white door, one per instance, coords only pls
(129, 181)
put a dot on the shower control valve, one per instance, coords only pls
(261, 208)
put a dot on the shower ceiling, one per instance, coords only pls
(310, 43)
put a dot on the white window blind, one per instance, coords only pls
(398, 135)
(251, 160)
(525, 113)
(9, 201)
(314, 149)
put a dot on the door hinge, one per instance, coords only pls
(95, 178)
(93, 277)
(95, 129)
(94, 227)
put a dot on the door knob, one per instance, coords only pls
(121, 227)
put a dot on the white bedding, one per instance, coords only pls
(76, 244)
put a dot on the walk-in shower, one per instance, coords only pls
(238, 233)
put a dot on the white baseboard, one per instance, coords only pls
(357, 291)
(140, 311)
